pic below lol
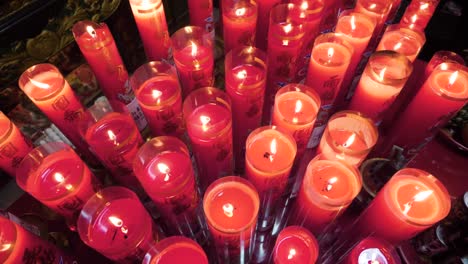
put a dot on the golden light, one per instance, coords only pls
(241, 11)
(287, 28)
(353, 23)
(292, 253)
(273, 149)
(68, 187)
(91, 31)
(59, 177)
(419, 197)
(156, 94)
(228, 210)
(40, 84)
(117, 222)
(5, 247)
(330, 52)
(453, 77)
(205, 120)
(297, 109)
(397, 46)
(242, 74)
(350, 140)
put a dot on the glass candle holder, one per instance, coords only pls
(176, 249)
(56, 176)
(151, 22)
(371, 250)
(13, 145)
(245, 75)
(349, 136)
(269, 157)
(383, 78)
(439, 57)
(378, 10)
(263, 18)
(295, 111)
(402, 40)
(115, 223)
(207, 113)
(239, 23)
(201, 14)
(403, 203)
(295, 244)
(231, 207)
(418, 14)
(159, 94)
(164, 169)
(328, 188)
(193, 57)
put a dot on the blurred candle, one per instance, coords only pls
(403, 205)
(114, 223)
(13, 145)
(328, 188)
(207, 113)
(231, 207)
(159, 94)
(383, 78)
(263, 18)
(295, 245)
(372, 250)
(151, 22)
(175, 249)
(349, 136)
(439, 57)
(295, 111)
(418, 14)
(98, 47)
(402, 40)
(378, 11)
(245, 75)
(239, 23)
(193, 57)
(201, 14)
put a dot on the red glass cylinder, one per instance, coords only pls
(176, 249)
(295, 244)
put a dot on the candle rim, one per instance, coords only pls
(281, 14)
(302, 234)
(402, 60)
(364, 19)
(5, 132)
(301, 89)
(387, 5)
(451, 68)
(190, 34)
(245, 56)
(102, 39)
(338, 40)
(167, 102)
(25, 80)
(166, 245)
(228, 9)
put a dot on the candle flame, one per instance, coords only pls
(453, 77)
(424, 6)
(242, 74)
(40, 84)
(382, 73)
(228, 210)
(350, 140)
(419, 197)
(292, 253)
(353, 23)
(163, 168)
(373, 6)
(287, 28)
(5, 247)
(330, 183)
(194, 49)
(69, 187)
(273, 149)
(241, 11)
(205, 120)
(112, 136)
(59, 177)
(117, 222)
(304, 5)
(397, 46)
(156, 94)
(91, 31)
(414, 18)
(331, 51)
(298, 107)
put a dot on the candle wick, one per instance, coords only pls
(269, 156)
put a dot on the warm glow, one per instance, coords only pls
(273, 149)
(331, 51)
(287, 28)
(163, 168)
(350, 140)
(297, 110)
(241, 11)
(330, 183)
(91, 31)
(353, 23)
(228, 210)
(59, 177)
(5, 247)
(112, 136)
(397, 46)
(68, 187)
(117, 222)
(205, 120)
(40, 84)
(414, 18)
(453, 77)
(373, 6)
(419, 197)
(242, 74)
(304, 5)
(424, 6)
(292, 253)
(156, 94)
(194, 49)
(382, 73)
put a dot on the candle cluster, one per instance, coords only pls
(221, 166)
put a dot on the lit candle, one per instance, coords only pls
(378, 11)
(151, 22)
(201, 14)
(98, 47)
(349, 136)
(328, 188)
(159, 94)
(115, 223)
(164, 169)
(176, 249)
(269, 157)
(263, 18)
(439, 57)
(372, 250)
(402, 40)
(245, 75)
(239, 23)
(231, 207)
(295, 244)
(410, 202)
(418, 14)
(193, 57)
(207, 113)
(383, 78)
(295, 111)
(56, 176)
(13, 145)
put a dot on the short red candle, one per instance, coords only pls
(193, 57)
(207, 113)
(328, 188)
(349, 136)
(264, 8)
(159, 94)
(231, 207)
(295, 111)
(418, 14)
(115, 223)
(377, 10)
(402, 40)
(13, 145)
(382, 80)
(239, 23)
(201, 14)
(176, 249)
(245, 75)
(410, 202)
(372, 250)
(151, 22)
(295, 245)
(164, 169)
(439, 57)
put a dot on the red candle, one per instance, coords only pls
(378, 10)
(231, 207)
(115, 223)
(193, 57)
(402, 40)
(383, 78)
(295, 110)
(13, 145)
(245, 75)
(21, 246)
(164, 169)
(159, 94)
(207, 113)
(328, 188)
(403, 204)
(295, 245)
(98, 47)
(371, 250)
(439, 57)
(239, 23)
(349, 136)
(52, 94)
(264, 8)
(418, 14)
(201, 14)
(151, 22)
(176, 249)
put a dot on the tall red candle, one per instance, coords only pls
(245, 75)
(175, 249)
(207, 113)
(231, 207)
(13, 145)
(239, 23)
(371, 250)
(295, 245)
(402, 40)
(151, 22)
(440, 57)
(264, 8)
(201, 14)
(159, 94)
(418, 14)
